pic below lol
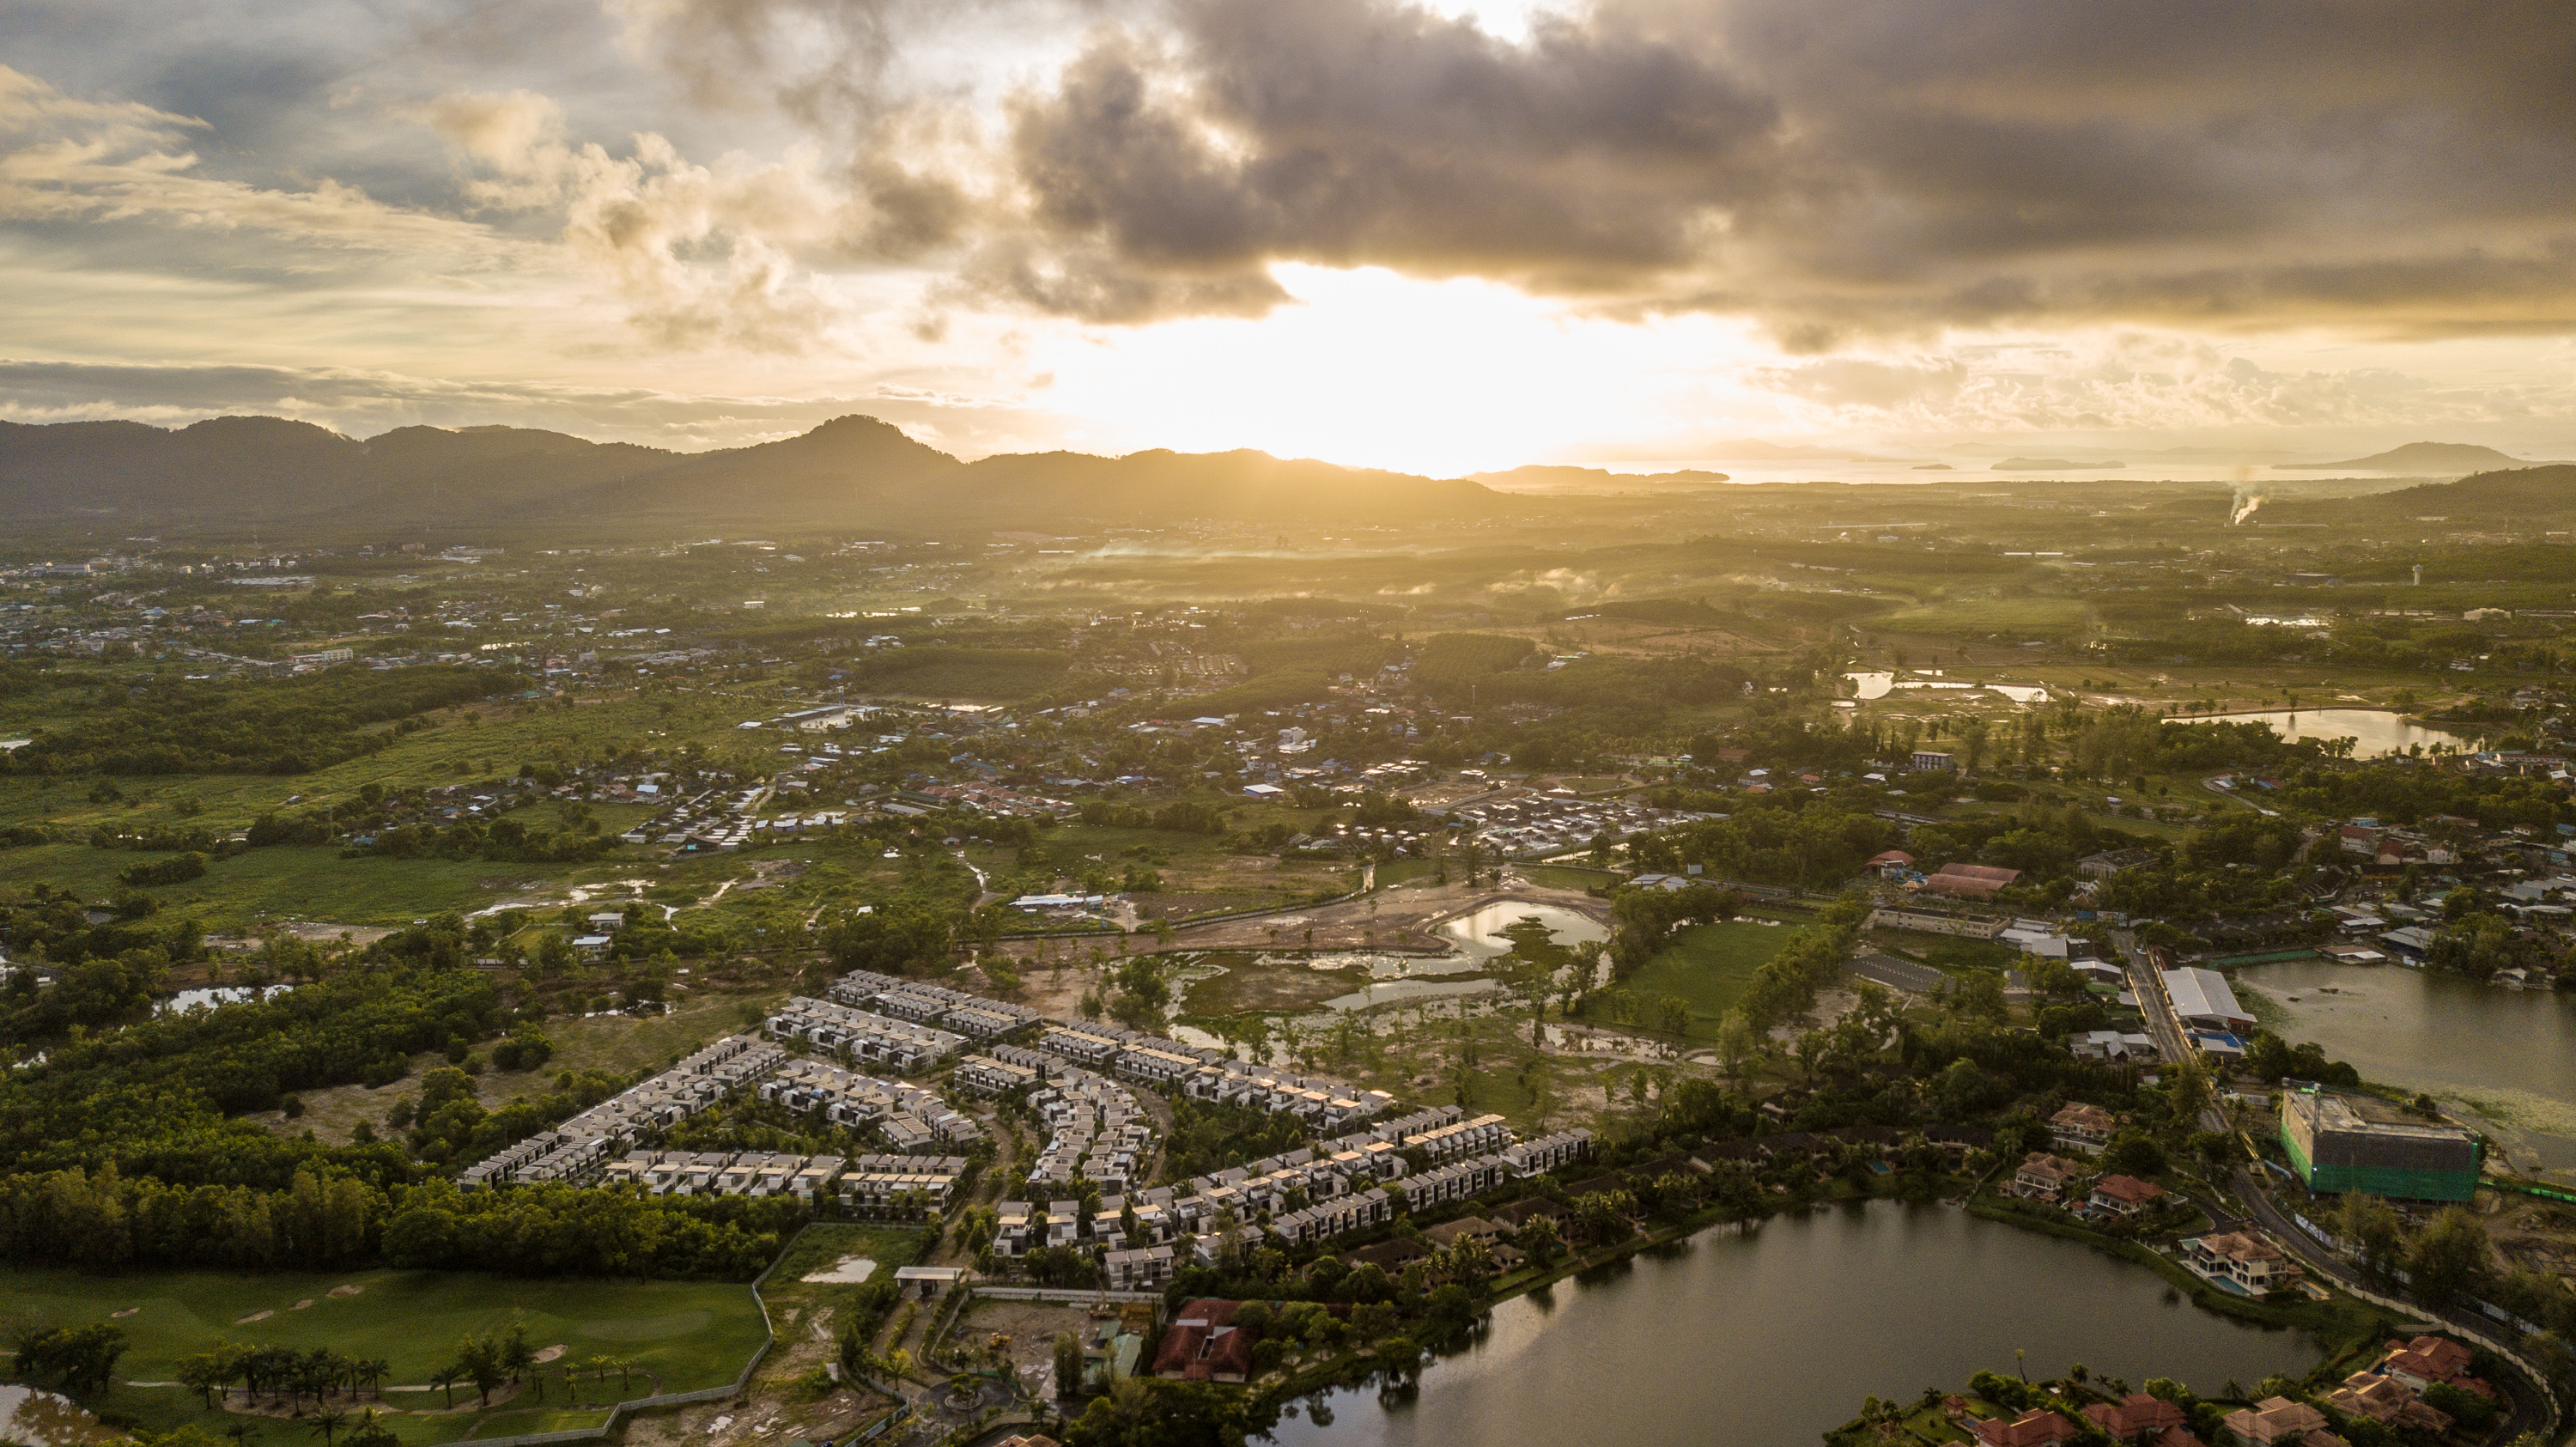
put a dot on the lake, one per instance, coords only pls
(2378, 731)
(1478, 931)
(2504, 1053)
(1768, 1337)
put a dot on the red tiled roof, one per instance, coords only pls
(2134, 1414)
(2036, 1429)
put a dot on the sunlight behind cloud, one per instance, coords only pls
(1381, 370)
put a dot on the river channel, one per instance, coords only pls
(1768, 1337)
(2501, 1054)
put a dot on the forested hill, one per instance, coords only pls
(2522, 494)
(849, 472)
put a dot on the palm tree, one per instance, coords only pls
(240, 1432)
(374, 1370)
(445, 1379)
(327, 1421)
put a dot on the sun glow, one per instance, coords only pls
(1375, 369)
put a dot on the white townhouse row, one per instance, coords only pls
(864, 1038)
(1481, 1136)
(725, 1173)
(902, 1186)
(580, 1148)
(908, 1116)
(972, 1015)
(1096, 1132)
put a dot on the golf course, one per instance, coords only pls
(617, 1341)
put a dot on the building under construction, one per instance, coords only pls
(2343, 1144)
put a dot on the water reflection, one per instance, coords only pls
(42, 1419)
(210, 997)
(1767, 1338)
(2378, 732)
(1478, 931)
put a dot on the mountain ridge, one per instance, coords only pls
(2419, 457)
(851, 471)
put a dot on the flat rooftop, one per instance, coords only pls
(2362, 1115)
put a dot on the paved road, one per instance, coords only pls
(2529, 1410)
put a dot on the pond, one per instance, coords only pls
(42, 1419)
(1768, 1337)
(2378, 731)
(2502, 1053)
(1397, 992)
(1478, 932)
(209, 997)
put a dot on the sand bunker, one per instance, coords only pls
(550, 1353)
(254, 1316)
(129, 1311)
(346, 1290)
(299, 1306)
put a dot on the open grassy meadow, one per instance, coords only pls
(1709, 965)
(671, 1336)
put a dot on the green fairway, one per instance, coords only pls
(674, 1336)
(1711, 966)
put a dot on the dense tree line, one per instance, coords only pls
(502, 841)
(320, 1221)
(262, 726)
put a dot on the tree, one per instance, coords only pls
(478, 1359)
(2449, 1259)
(327, 1421)
(2133, 1154)
(1068, 1365)
(2376, 1238)
(81, 1358)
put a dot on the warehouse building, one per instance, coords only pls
(2346, 1144)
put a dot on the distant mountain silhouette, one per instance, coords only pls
(2416, 457)
(2053, 464)
(849, 472)
(1594, 479)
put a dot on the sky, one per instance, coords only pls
(1441, 237)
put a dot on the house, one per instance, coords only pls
(1969, 881)
(1933, 761)
(1203, 1344)
(2428, 1359)
(2081, 1127)
(2386, 1400)
(2136, 1418)
(2033, 1429)
(2112, 861)
(2239, 1259)
(1447, 1233)
(1892, 864)
(2275, 1419)
(2044, 1177)
(2124, 1195)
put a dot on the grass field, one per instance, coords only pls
(679, 1336)
(1709, 965)
(1977, 617)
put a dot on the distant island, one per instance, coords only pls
(2418, 457)
(2053, 464)
(1931, 467)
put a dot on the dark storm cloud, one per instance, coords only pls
(1834, 168)
(1843, 167)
